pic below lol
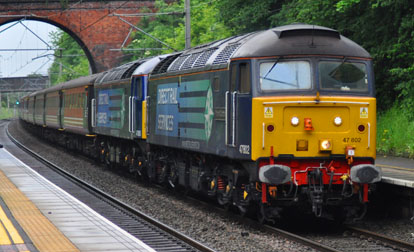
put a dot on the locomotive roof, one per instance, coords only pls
(300, 39)
(294, 39)
(125, 71)
(148, 65)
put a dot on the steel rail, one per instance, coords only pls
(382, 238)
(302, 240)
(266, 228)
(186, 239)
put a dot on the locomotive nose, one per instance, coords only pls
(365, 173)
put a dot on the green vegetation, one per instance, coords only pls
(6, 113)
(9, 110)
(70, 63)
(206, 26)
(383, 27)
(395, 133)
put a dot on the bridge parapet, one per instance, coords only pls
(23, 84)
(90, 23)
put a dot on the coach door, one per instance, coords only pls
(61, 109)
(238, 108)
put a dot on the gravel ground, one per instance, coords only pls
(402, 229)
(199, 222)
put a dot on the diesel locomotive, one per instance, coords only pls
(269, 120)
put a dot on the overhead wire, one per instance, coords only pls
(110, 12)
(28, 62)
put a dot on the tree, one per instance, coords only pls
(382, 27)
(70, 62)
(206, 26)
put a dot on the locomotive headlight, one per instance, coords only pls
(294, 121)
(325, 145)
(338, 121)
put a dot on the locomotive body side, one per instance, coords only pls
(112, 109)
(118, 110)
(119, 95)
(188, 112)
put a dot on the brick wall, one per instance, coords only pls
(89, 22)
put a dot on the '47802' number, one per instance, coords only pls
(352, 140)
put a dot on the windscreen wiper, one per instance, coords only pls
(273, 66)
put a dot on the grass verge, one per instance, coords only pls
(395, 133)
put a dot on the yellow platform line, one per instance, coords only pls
(4, 238)
(44, 235)
(17, 239)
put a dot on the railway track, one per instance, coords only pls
(345, 239)
(381, 239)
(149, 230)
(348, 239)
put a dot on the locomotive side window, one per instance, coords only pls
(233, 78)
(139, 91)
(287, 75)
(245, 85)
(343, 76)
(216, 84)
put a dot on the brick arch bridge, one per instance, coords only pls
(89, 22)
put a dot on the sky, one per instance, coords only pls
(21, 63)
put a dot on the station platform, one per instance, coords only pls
(36, 215)
(396, 170)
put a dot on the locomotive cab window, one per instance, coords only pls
(285, 75)
(343, 76)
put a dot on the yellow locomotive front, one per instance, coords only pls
(313, 131)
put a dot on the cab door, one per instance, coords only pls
(238, 101)
(135, 106)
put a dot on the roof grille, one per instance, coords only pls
(128, 73)
(122, 72)
(176, 65)
(225, 54)
(190, 61)
(164, 64)
(202, 60)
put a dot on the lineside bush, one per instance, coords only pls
(395, 133)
